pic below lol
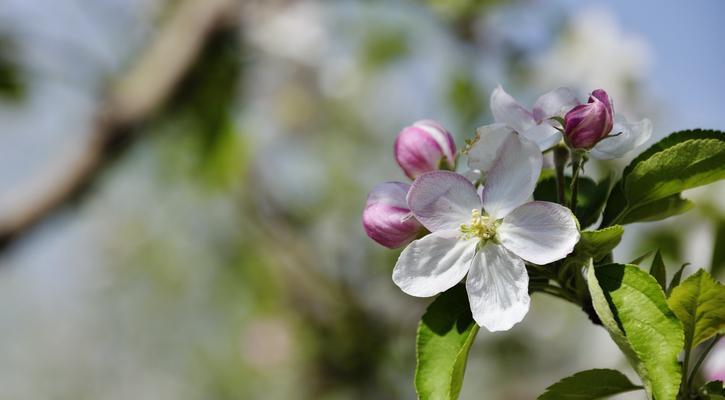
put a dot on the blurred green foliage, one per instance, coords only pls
(12, 86)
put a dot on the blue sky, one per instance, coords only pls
(689, 55)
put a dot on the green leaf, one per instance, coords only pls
(718, 252)
(713, 390)
(589, 385)
(641, 258)
(658, 270)
(591, 196)
(699, 302)
(681, 161)
(445, 335)
(594, 245)
(676, 278)
(633, 308)
(658, 210)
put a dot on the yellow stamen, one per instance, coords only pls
(481, 226)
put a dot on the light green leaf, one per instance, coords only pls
(633, 309)
(445, 335)
(699, 302)
(589, 385)
(681, 161)
(658, 270)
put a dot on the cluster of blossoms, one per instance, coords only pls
(481, 224)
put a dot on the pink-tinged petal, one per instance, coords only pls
(624, 138)
(555, 103)
(539, 232)
(443, 200)
(387, 218)
(434, 263)
(488, 146)
(512, 179)
(498, 288)
(422, 147)
(544, 135)
(506, 110)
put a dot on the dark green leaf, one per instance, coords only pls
(681, 161)
(676, 278)
(658, 270)
(590, 199)
(713, 390)
(594, 245)
(445, 335)
(641, 258)
(718, 253)
(633, 308)
(699, 302)
(589, 385)
(658, 210)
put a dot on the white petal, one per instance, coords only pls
(434, 263)
(544, 135)
(555, 103)
(513, 177)
(539, 232)
(632, 136)
(498, 288)
(443, 200)
(506, 110)
(485, 151)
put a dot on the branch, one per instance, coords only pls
(132, 100)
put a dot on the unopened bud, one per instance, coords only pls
(387, 218)
(424, 146)
(587, 124)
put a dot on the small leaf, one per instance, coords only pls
(676, 278)
(641, 258)
(445, 335)
(718, 252)
(683, 160)
(594, 245)
(713, 390)
(633, 308)
(658, 270)
(699, 302)
(591, 196)
(589, 385)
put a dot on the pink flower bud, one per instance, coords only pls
(387, 218)
(422, 147)
(587, 124)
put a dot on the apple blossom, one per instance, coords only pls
(424, 146)
(486, 237)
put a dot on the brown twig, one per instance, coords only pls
(131, 101)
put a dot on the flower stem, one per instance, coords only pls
(576, 163)
(561, 156)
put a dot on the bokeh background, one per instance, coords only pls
(181, 184)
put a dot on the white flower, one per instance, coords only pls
(487, 237)
(534, 125)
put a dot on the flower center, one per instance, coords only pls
(481, 226)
